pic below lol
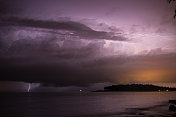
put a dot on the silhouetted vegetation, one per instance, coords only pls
(137, 87)
(169, 1)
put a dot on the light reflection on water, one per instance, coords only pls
(76, 104)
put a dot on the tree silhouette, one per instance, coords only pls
(169, 1)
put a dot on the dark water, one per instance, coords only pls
(76, 104)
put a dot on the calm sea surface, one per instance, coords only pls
(77, 104)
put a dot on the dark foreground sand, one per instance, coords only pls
(161, 110)
(155, 111)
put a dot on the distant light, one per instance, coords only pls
(80, 90)
(167, 90)
(71, 33)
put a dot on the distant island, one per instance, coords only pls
(135, 87)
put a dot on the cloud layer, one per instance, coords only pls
(66, 43)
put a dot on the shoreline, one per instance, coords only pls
(161, 110)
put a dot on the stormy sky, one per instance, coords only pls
(81, 42)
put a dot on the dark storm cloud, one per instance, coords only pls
(33, 60)
(65, 72)
(45, 24)
(6, 9)
(48, 47)
(78, 29)
(3, 8)
(78, 53)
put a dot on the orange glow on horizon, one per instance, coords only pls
(151, 75)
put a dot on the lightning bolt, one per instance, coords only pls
(29, 87)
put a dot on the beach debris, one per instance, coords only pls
(172, 108)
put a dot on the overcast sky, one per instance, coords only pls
(81, 42)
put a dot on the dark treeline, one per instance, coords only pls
(137, 87)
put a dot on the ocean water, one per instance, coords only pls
(84, 104)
